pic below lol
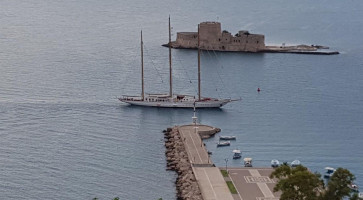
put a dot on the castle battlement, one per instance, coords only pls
(213, 38)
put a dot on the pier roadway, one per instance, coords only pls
(193, 143)
(209, 178)
(253, 183)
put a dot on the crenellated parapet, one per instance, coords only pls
(213, 38)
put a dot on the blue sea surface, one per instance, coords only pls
(64, 134)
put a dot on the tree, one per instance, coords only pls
(297, 183)
(300, 184)
(338, 185)
(354, 197)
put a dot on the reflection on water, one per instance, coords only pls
(64, 135)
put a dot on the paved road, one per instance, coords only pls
(197, 153)
(210, 180)
(253, 183)
(212, 184)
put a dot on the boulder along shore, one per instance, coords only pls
(178, 161)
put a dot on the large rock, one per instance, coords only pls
(178, 161)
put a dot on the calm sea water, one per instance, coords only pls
(64, 135)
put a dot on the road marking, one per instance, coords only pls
(265, 190)
(258, 179)
(189, 149)
(263, 186)
(210, 184)
(246, 169)
(254, 172)
(235, 186)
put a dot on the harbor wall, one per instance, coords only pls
(178, 161)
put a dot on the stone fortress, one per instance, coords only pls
(213, 38)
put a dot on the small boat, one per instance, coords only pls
(237, 154)
(354, 187)
(248, 162)
(221, 144)
(210, 153)
(295, 163)
(227, 137)
(275, 163)
(329, 172)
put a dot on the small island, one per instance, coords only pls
(214, 39)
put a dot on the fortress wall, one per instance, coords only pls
(187, 39)
(226, 38)
(238, 43)
(255, 43)
(209, 32)
(212, 38)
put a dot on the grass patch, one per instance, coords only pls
(231, 187)
(224, 173)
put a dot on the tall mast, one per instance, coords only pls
(170, 70)
(142, 68)
(199, 98)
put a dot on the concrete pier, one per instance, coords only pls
(198, 178)
(211, 184)
(194, 145)
(209, 177)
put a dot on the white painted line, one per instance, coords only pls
(201, 161)
(265, 190)
(235, 187)
(210, 184)
(263, 186)
(254, 172)
(189, 149)
(245, 169)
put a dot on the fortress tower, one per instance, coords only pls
(213, 38)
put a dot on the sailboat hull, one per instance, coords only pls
(170, 103)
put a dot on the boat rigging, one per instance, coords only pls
(171, 99)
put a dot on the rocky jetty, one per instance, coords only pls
(178, 161)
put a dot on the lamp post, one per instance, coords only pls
(226, 160)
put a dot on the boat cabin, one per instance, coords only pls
(295, 163)
(237, 154)
(248, 162)
(275, 163)
(329, 172)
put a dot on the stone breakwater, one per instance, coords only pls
(178, 161)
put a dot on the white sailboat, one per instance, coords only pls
(172, 100)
